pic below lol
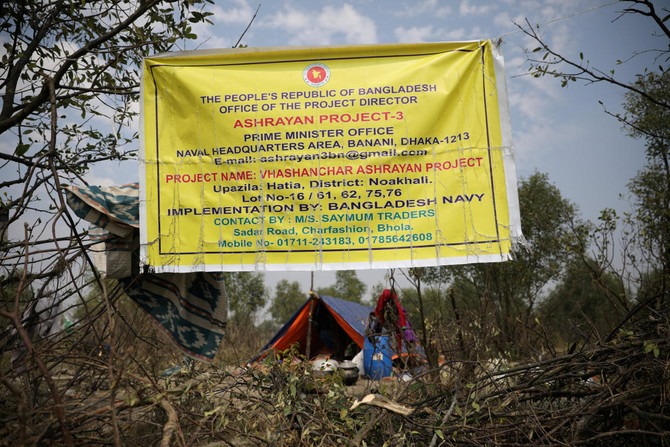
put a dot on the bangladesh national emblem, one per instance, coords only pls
(316, 74)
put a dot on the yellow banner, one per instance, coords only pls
(326, 158)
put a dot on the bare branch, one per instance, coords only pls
(583, 72)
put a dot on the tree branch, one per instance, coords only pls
(584, 73)
(43, 96)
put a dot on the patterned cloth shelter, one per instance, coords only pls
(191, 308)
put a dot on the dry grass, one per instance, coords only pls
(613, 393)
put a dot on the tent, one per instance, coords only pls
(336, 325)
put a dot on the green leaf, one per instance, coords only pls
(214, 411)
(650, 346)
(439, 433)
(21, 149)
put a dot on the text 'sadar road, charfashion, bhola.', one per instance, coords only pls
(326, 158)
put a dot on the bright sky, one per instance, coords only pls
(561, 131)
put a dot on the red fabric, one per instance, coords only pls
(386, 296)
(384, 299)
